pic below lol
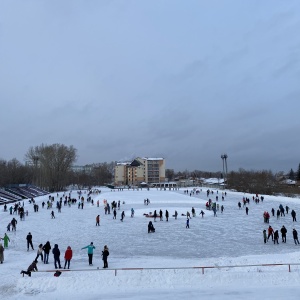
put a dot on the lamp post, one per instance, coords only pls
(224, 160)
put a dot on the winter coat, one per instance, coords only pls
(283, 231)
(90, 248)
(68, 253)
(276, 235)
(105, 253)
(29, 237)
(40, 250)
(1, 253)
(295, 234)
(47, 248)
(56, 252)
(32, 267)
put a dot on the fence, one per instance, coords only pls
(179, 268)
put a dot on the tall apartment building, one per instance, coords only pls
(141, 169)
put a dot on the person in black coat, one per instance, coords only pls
(151, 227)
(31, 268)
(276, 237)
(46, 248)
(293, 213)
(283, 234)
(56, 254)
(295, 236)
(29, 241)
(105, 254)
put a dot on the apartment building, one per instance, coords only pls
(141, 169)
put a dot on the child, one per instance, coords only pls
(187, 223)
(265, 235)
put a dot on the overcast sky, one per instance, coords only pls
(184, 80)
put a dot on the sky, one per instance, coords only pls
(183, 80)
(229, 242)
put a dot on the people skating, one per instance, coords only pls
(265, 235)
(270, 232)
(68, 257)
(90, 248)
(295, 236)
(278, 214)
(122, 215)
(202, 213)
(98, 220)
(1, 253)
(132, 212)
(287, 209)
(14, 223)
(293, 214)
(187, 223)
(115, 214)
(240, 205)
(247, 210)
(29, 241)
(175, 214)
(155, 215)
(40, 252)
(52, 214)
(273, 212)
(193, 212)
(5, 240)
(8, 226)
(283, 234)
(276, 237)
(46, 248)
(56, 255)
(30, 269)
(160, 215)
(105, 254)
(222, 208)
(150, 227)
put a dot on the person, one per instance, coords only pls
(29, 241)
(155, 215)
(247, 210)
(287, 209)
(193, 212)
(295, 236)
(1, 253)
(8, 226)
(132, 212)
(160, 215)
(283, 234)
(293, 214)
(176, 214)
(98, 220)
(115, 214)
(270, 232)
(46, 248)
(90, 248)
(239, 205)
(265, 235)
(31, 268)
(14, 223)
(68, 257)
(52, 215)
(56, 255)
(187, 223)
(150, 227)
(39, 252)
(6, 240)
(273, 211)
(122, 215)
(167, 215)
(105, 254)
(276, 237)
(202, 212)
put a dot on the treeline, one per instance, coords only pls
(50, 167)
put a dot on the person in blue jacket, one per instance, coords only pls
(90, 248)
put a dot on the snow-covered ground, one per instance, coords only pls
(168, 255)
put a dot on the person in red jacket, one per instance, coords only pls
(270, 233)
(68, 257)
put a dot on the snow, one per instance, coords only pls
(166, 258)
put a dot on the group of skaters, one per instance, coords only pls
(44, 251)
(274, 234)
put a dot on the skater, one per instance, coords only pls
(56, 255)
(6, 240)
(187, 223)
(46, 248)
(287, 210)
(52, 215)
(222, 208)
(68, 257)
(265, 235)
(176, 214)
(193, 212)
(283, 234)
(293, 214)
(8, 226)
(1, 253)
(90, 248)
(150, 227)
(160, 215)
(29, 241)
(31, 268)
(273, 211)
(122, 215)
(295, 236)
(39, 252)
(14, 223)
(247, 210)
(105, 254)
(239, 205)
(167, 216)
(276, 237)
(270, 232)
(98, 220)
(115, 214)
(203, 213)
(132, 212)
